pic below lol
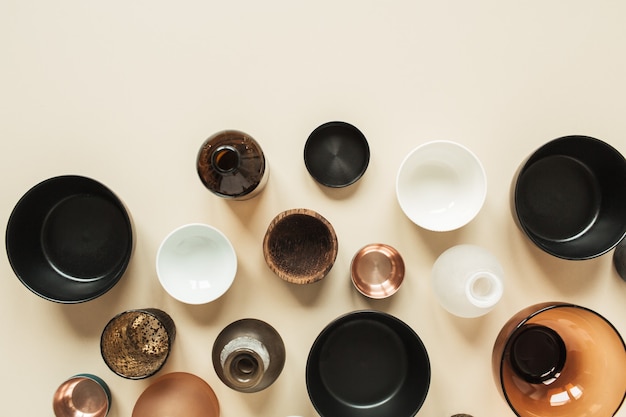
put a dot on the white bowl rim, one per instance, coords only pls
(223, 240)
(451, 225)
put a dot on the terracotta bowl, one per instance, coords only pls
(177, 394)
(300, 246)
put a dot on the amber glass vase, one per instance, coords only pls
(232, 165)
(560, 360)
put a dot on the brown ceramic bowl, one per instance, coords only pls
(248, 355)
(300, 246)
(377, 270)
(559, 359)
(177, 394)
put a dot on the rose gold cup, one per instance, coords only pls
(377, 270)
(83, 395)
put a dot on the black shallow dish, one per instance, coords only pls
(570, 197)
(336, 154)
(367, 364)
(69, 239)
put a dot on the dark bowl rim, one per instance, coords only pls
(118, 202)
(537, 309)
(530, 160)
(315, 135)
(353, 315)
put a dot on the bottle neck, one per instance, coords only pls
(225, 159)
(244, 361)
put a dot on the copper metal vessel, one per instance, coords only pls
(83, 395)
(377, 270)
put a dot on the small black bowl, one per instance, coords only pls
(569, 197)
(367, 364)
(336, 154)
(69, 239)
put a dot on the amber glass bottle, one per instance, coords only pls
(231, 164)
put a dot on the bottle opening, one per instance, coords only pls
(245, 368)
(537, 354)
(225, 159)
(484, 289)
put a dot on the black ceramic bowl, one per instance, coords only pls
(336, 154)
(69, 239)
(569, 197)
(367, 364)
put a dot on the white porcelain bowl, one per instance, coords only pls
(441, 185)
(196, 263)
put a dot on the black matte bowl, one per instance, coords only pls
(569, 197)
(367, 364)
(69, 239)
(336, 154)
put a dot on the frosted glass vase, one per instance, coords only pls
(467, 280)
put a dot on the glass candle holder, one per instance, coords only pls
(135, 344)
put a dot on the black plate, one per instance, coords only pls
(367, 364)
(69, 239)
(570, 197)
(336, 154)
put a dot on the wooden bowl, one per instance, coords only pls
(300, 246)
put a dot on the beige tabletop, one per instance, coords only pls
(125, 92)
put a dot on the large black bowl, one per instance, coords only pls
(367, 364)
(69, 239)
(569, 197)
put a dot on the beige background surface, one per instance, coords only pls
(126, 91)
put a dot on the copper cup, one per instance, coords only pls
(135, 344)
(82, 395)
(377, 270)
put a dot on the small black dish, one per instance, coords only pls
(367, 364)
(336, 154)
(69, 239)
(569, 197)
(619, 259)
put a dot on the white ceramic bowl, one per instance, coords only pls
(441, 185)
(196, 263)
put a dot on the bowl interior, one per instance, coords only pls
(377, 270)
(300, 246)
(570, 197)
(177, 394)
(196, 263)
(69, 239)
(82, 395)
(367, 364)
(441, 185)
(336, 154)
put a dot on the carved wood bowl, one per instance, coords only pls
(300, 246)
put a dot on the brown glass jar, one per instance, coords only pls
(231, 164)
